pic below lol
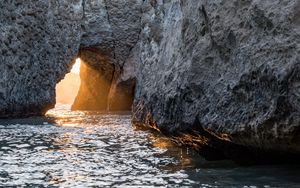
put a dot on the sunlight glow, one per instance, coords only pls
(76, 66)
(67, 89)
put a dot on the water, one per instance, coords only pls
(77, 149)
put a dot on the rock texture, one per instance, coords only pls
(222, 74)
(96, 79)
(38, 42)
(111, 28)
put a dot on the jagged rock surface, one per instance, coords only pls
(225, 74)
(228, 69)
(38, 42)
(112, 29)
(96, 79)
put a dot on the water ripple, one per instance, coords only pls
(78, 149)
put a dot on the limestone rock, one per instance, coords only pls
(39, 41)
(221, 75)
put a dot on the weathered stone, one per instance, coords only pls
(219, 75)
(113, 28)
(38, 43)
(230, 66)
(96, 75)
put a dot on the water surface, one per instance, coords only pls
(79, 149)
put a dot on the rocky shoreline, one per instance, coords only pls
(222, 77)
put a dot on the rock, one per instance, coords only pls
(221, 76)
(226, 73)
(96, 75)
(112, 29)
(40, 40)
(38, 43)
(122, 93)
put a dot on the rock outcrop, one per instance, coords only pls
(40, 40)
(222, 74)
(96, 75)
(38, 43)
(111, 28)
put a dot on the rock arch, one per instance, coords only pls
(40, 41)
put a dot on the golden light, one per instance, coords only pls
(67, 89)
(76, 66)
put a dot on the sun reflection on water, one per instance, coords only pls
(81, 149)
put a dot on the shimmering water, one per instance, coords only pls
(77, 149)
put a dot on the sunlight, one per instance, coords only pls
(76, 66)
(67, 89)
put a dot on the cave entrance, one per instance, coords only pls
(100, 85)
(67, 89)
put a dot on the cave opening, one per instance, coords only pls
(67, 88)
(96, 83)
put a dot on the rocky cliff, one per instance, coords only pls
(38, 42)
(222, 74)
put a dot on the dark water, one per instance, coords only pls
(77, 149)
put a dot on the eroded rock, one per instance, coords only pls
(219, 75)
(96, 75)
(231, 66)
(38, 43)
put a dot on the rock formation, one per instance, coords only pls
(110, 32)
(96, 75)
(38, 42)
(221, 76)
(41, 39)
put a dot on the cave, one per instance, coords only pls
(100, 85)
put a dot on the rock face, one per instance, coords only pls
(96, 78)
(222, 74)
(38, 42)
(111, 29)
